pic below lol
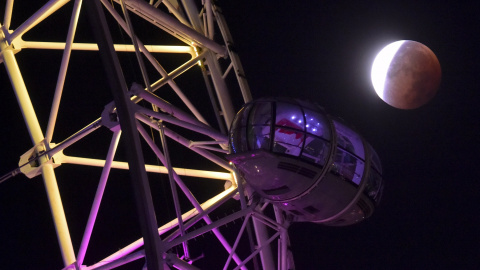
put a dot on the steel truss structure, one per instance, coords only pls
(190, 114)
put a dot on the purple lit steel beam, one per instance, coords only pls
(174, 261)
(185, 142)
(212, 226)
(170, 119)
(173, 187)
(155, 64)
(188, 194)
(259, 248)
(207, 207)
(120, 261)
(164, 105)
(141, 190)
(243, 204)
(98, 197)
(237, 240)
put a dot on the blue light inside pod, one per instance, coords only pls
(311, 165)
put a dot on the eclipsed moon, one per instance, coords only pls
(406, 74)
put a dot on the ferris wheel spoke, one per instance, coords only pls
(165, 106)
(174, 86)
(258, 250)
(192, 217)
(173, 120)
(187, 143)
(212, 226)
(245, 223)
(98, 197)
(61, 158)
(7, 18)
(164, 160)
(234, 58)
(187, 193)
(45, 11)
(197, 206)
(175, 10)
(154, 62)
(63, 70)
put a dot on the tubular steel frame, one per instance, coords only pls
(204, 36)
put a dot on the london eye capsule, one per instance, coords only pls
(304, 161)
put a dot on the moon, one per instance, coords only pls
(406, 74)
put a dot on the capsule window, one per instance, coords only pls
(238, 140)
(348, 166)
(259, 137)
(349, 140)
(261, 114)
(289, 115)
(316, 150)
(316, 124)
(288, 141)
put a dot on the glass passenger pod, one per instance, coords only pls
(296, 133)
(283, 149)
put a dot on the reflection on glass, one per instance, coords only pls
(316, 150)
(261, 114)
(259, 137)
(316, 124)
(288, 141)
(349, 140)
(289, 115)
(238, 139)
(348, 166)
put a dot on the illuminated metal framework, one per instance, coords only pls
(177, 111)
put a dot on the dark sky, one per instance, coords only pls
(322, 51)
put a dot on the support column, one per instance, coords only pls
(154, 247)
(36, 136)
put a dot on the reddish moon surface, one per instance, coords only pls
(413, 76)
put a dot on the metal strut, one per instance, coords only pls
(141, 190)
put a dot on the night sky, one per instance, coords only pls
(321, 51)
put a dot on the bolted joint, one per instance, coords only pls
(7, 44)
(110, 117)
(33, 160)
(136, 89)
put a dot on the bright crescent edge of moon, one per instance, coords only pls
(381, 64)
